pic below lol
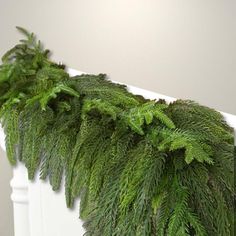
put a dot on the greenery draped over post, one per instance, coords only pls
(140, 167)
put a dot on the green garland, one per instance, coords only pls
(140, 167)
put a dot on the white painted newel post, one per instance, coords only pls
(19, 197)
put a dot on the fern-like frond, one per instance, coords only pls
(46, 96)
(179, 211)
(195, 223)
(136, 117)
(104, 107)
(10, 124)
(194, 149)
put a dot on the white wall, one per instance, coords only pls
(184, 48)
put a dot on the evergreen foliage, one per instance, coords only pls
(140, 167)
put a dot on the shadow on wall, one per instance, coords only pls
(6, 209)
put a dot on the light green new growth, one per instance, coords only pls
(140, 167)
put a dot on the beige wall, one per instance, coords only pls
(183, 48)
(6, 215)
